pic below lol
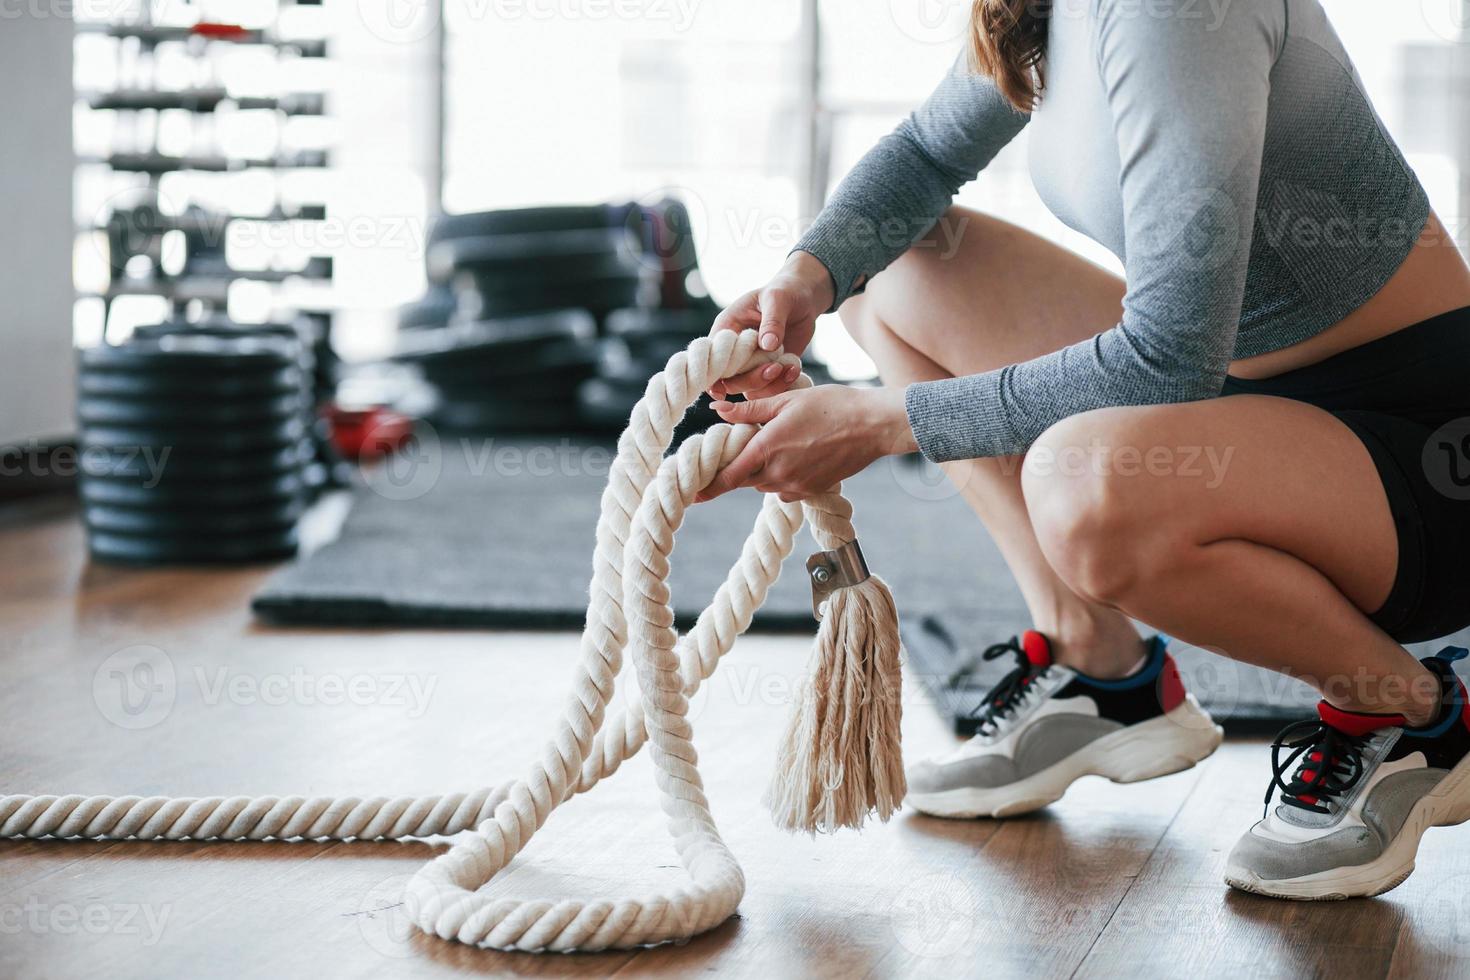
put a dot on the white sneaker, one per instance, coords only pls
(1044, 726)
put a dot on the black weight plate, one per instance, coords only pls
(491, 251)
(551, 256)
(241, 438)
(166, 520)
(195, 493)
(500, 337)
(149, 464)
(193, 355)
(220, 326)
(597, 295)
(607, 405)
(147, 384)
(479, 369)
(617, 364)
(560, 415)
(680, 323)
(530, 385)
(163, 550)
(654, 348)
(549, 276)
(290, 335)
(528, 250)
(434, 310)
(98, 410)
(520, 221)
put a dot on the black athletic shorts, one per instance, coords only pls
(1407, 397)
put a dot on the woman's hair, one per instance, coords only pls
(1008, 43)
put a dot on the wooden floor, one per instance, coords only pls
(1112, 881)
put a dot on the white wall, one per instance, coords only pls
(35, 225)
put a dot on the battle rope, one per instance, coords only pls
(840, 761)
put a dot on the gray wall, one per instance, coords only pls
(35, 225)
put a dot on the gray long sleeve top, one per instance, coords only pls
(1226, 153)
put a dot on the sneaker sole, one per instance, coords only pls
(1446, 806)
(1170, 743)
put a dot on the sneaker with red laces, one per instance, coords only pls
(1365, 790)
(1044, 726)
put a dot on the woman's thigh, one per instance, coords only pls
(978, 293)
(1271, 471)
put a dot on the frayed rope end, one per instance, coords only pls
(842, 757)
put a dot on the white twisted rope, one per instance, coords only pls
(642, 506)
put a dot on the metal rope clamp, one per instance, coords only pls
(829, 571)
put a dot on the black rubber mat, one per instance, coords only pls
(493, 532)
(497, 533)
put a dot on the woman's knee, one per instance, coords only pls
(1105, 528)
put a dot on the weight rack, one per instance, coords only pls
(245, 457)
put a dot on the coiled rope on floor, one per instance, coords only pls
(840, 759)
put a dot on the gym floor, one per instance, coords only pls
(1112, 881)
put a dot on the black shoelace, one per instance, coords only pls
(1002, 699)
(1332, 764)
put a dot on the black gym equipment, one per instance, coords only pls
(197, 441)
(154, 549)
(638, 345)
(630, 266)
(500, 275)
(686, 324)
(511, 374)
(520, 221)
(142, 491)
(434, 309)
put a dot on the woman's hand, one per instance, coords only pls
(812, 439)
(785, 310)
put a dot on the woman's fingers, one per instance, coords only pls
(743, 469)
(754, 412)
(775, 307)
(763, 382)
(741, 315)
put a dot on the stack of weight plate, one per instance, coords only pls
(506, 263)
(194, 447)
(507, 374)
(305, 337)
(434, 309)
(637, 346)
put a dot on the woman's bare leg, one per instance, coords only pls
(1256, 526)
(974, 295)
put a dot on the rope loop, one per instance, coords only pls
(629, 609)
